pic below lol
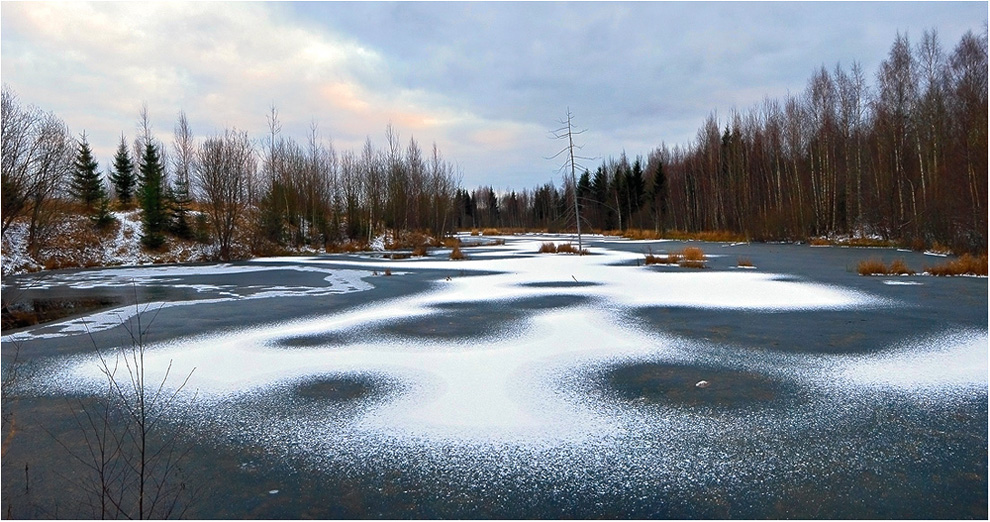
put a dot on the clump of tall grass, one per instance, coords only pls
(872, 266)
(456, 254)
(744, 262)
(690, 257)
(965, 265)
(876, 266)
(899, 267)
(694, 257)
(563, 248)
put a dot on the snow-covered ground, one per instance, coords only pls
(75, 244)
(518, 389)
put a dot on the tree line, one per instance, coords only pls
(904, 159)
(224, 189)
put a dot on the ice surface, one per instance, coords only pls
(527, 389)
(338, 281)
(954, 359)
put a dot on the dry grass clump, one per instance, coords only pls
(456, 254)
(744, 262)
(872, 266)
(694, 257)
(866, 242)
(876, 266)
(563, 248)
(420, 251)
(965, 265)
(694, 254)
(899, 267)
(690, 257)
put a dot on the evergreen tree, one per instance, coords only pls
(585, 193)
(122, 176)
(102, 218)
(152, 197)
(86, 184)
(180, 202)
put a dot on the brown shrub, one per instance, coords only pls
(548, 248)
(691, 257)
(899, 267)
(694, 254)
(965, 265)
(566, 248)
(867, 242)
(420, 251)
(744, 262)
(872, 266)
(456, 253)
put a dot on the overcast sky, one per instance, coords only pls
(485, 81)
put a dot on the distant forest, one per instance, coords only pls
(903, 158)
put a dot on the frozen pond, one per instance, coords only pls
(521, 385)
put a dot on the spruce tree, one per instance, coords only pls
(122, 176)
(102, 217)
(86, 184)
(180, 201)
(152, 197)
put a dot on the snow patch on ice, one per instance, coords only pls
(954, 359)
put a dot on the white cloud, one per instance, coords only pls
(94, 64)
(484, 81)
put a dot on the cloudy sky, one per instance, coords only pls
(485, 81)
